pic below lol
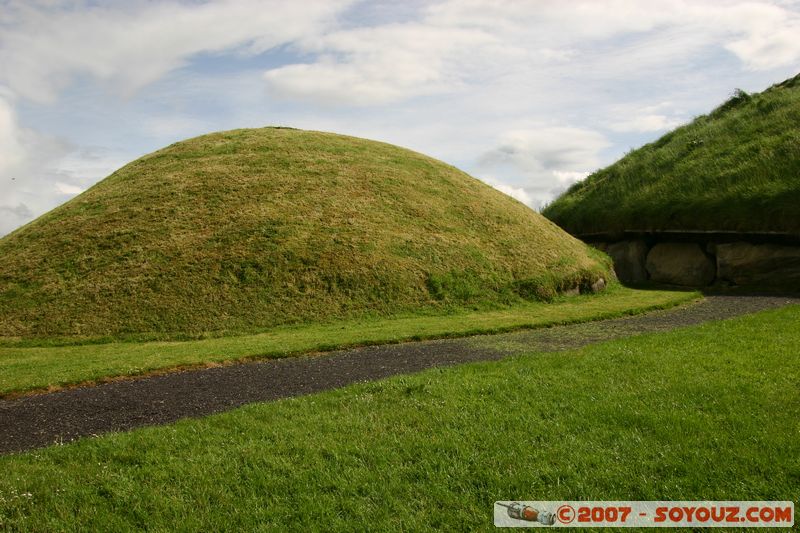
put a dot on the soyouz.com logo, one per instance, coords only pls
(644, 514)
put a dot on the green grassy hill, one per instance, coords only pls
(249, 229)
(736, 169)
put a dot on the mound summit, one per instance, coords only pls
(248, 229)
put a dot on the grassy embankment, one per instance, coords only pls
(735, 169)
(38, 364)
(239, 231)
(709, 412)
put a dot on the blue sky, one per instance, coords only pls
(528, 96)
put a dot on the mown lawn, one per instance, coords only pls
(708, 412)
(25, 368)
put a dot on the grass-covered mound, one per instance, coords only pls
(249, 229)
(736, 169)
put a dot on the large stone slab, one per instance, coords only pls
(679, 263)
(629, 257)
(770, 265)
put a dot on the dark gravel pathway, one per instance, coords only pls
(62, 416)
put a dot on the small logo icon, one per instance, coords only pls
(565, 514)
(527, 513)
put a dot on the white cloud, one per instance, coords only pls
(10, 149)
(369, 66)
(19, 211)
(50, 172)
(567, 178)
(555, 21)
(67, 189)
(541, 162)
(518, 193)
(82, 167)
(133, 44)
(758, 32)
(24, 176)
(38, 172)
(646, 123)
(458, 44)
(547, 149)
(767, 35)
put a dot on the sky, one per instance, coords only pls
(528, 96)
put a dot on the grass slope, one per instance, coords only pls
(709, 412)
(249, 229)
(736, 169)
(25, 366)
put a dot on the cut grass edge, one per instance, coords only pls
(116, 361)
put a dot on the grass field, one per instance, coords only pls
(250, 229)
(708, 412)
(734, 169)
(25, 366)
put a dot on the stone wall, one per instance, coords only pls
(706, 263)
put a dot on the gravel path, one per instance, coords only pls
(37, 421)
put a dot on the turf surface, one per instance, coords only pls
(708, 412)
(243, 230)
(25, 366)
(735, 169)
